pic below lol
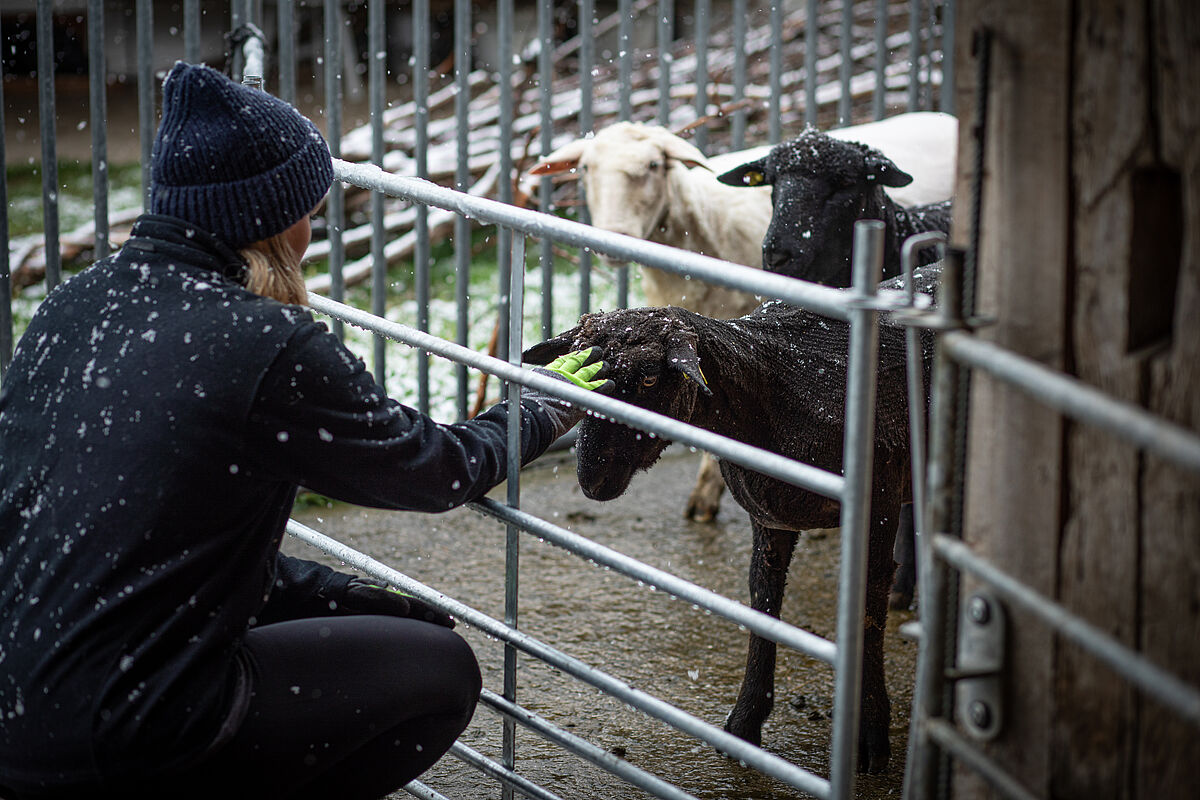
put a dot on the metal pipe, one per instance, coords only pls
(879, 98)
(335, 213)
(191, 31)
(952, 742)
(625, 58)
(828, 302)
(858, 447)
(47, 117)
(810, 62)
(948, 45)
(546, 141)
(775, 81)
(772, 464)
(376, 77)
(666, 19)
(754, 757)
(421, 267)
(1078, 400)
(504, 773)
(504, 237)
(98, 114)
(739, 74)
(587, 59)
(286, 37)
(512, 540)
(700, 137)
(846, 67)
(916, 52)
(462, 182)
(422, 792)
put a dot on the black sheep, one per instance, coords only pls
(820, 186)
(775, 379)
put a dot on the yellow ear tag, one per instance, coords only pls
(754, 178)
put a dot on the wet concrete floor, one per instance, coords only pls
(650, 640)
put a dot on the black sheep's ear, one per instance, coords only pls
(751, 174)
(547, 351)
(684, 358)
(884, 171)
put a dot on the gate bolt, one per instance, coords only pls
(981, 714)
(979, 609)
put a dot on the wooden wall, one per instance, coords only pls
(1090, 260)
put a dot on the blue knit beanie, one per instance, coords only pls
(234, 160)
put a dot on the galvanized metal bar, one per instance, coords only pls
(768, 627)
(932, 698)
(335, 211)
(422, 792)
(625, 57)
(376, 78)
(587, 60)
(504, 236)
(421, 267)
(98, 116)
(6, 313)
(700, 37)
(462, 182)
(948, 44)
(47, 117)
(286, 47)
(739, 75)
(191, 31)
(666, 24)
(857, 448)
(948, 738)
(546, 141)
(775, 81)
(1172, 692)
(810, 62)
(846, 67)
(916, 53)
(254, 56)
(509, 779)
(879, 98)
(754, 757)
(512, 534)
(236, 18)
(828, 302)
(798, 474)
(1078, 400)
(583, 748)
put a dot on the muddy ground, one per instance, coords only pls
(652, 641)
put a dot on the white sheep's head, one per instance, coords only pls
(653, 359)
(625, 169)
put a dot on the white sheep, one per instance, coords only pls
(644, 181)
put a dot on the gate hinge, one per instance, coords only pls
(980, 665)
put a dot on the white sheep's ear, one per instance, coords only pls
(676, 149)
(883, 170)
(564, 159)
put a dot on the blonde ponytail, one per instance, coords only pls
(274, 271)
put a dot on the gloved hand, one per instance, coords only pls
(585, 369)
(364, 597)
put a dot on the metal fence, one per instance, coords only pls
(866, 87)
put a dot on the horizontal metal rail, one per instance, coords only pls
(494, 769)
(794, 472)
(766, 763)
(829, 302)
(585, 749)
(763, 624)
(950, 740)
(423, 792)
(1156, 682)
(1077, 399)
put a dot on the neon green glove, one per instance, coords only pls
(584, 368)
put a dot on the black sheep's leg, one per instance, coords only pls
(874, 746)
(905, 585)
(768, 576)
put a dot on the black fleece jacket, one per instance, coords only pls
(154, 425)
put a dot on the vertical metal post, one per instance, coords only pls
(916, 52)
(856, 505)
(237, 17)
(335, 214)
(666, 19)
(376, 75)
(739, 74)
(546, 187)
(948, 23)
(774, 115)
(420, 78)
(286, 36)
(701, 38)
(47, 115)
(846, 68)
(878, 100)
(587, 58)
(462, 182)
(6, 319)
(504, 236)
(625, 58)
(98, 102)
(191, 31)
(810, 62)
(931, 697)
(512, 533)
(147, 86)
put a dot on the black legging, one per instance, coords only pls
(348, 707)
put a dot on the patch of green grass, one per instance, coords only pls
(76, 206)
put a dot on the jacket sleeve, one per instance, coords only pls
(319, 420)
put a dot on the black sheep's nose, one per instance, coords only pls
(775, 257)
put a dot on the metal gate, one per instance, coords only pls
(513, 226)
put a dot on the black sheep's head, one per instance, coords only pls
(653, 361)
(819, 187)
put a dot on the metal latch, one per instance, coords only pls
(980, 662)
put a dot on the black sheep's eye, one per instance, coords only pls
(649, 381)
(754, 178)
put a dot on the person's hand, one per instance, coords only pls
(584, 368)
(364, 597)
